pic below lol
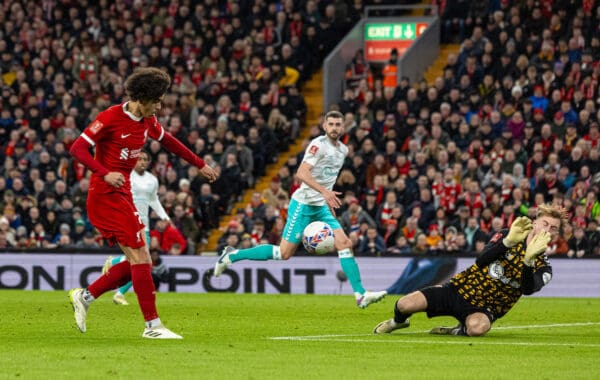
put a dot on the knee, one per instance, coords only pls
(139, 256)
(404, 305)
(412, 303)
(478, 328)
(343, 243)
(401, 305)
(286, 254)
(139, 260)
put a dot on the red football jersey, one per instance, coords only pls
(118, 137)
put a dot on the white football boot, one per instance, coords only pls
(160, 332)
(107, 264)
(80, 307)
(443, 330)
(224, 261)
(119, 299)
(370, 297)
(390, 325)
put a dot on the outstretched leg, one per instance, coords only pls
(403, 309)
(230, 255)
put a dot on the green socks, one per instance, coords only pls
(350, 268)
(258, 253)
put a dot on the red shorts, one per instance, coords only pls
(116, 217)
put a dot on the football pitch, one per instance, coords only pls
(258, 336)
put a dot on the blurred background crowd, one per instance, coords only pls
(512, 122)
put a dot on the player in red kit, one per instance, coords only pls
(118, 135)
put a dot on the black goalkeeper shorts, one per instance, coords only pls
(445, 300)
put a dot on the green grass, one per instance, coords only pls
(229, 336)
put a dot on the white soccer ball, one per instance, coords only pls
(318, 238)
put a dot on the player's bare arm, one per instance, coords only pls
(330, 196)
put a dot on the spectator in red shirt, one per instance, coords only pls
(168, 236)
(593, 136)
(546, 138)
(447, 192)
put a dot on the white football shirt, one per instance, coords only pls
(326, 160)
(144, 189)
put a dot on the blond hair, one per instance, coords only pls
(553, 211)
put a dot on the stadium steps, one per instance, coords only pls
(437, 68)
(418, 12)
(313, 95)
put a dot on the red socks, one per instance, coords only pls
(141, 276)
(116, 276)
(122, 273)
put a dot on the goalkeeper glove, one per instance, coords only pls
(519, 230)
(536, 246)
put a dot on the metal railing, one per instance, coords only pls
(390, 9)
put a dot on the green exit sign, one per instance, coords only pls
(393, 31)
(382, 37)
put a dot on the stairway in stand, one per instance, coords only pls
(437, 68)
(313, 95)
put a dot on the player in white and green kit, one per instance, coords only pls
(144, 189)
(313, 201)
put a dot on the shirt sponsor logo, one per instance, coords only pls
(124, 154)
(329, 172)
(135, 153)
(127, 154)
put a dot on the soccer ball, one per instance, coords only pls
(318, 238)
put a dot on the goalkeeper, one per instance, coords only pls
(513, 263)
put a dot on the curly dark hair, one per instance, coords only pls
(147, 84)
(147, 153)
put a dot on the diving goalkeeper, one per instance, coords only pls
(513, 263)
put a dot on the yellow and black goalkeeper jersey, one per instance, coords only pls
(499, 277)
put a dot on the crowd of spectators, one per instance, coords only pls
(512, 122)
(237, 69)
(433, 167)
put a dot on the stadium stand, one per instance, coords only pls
(510, 119)
(237, 71)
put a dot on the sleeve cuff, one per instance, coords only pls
(507, 243)
(529, 264)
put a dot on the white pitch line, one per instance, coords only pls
(346, 337)
(577, 324)
(437, 342)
